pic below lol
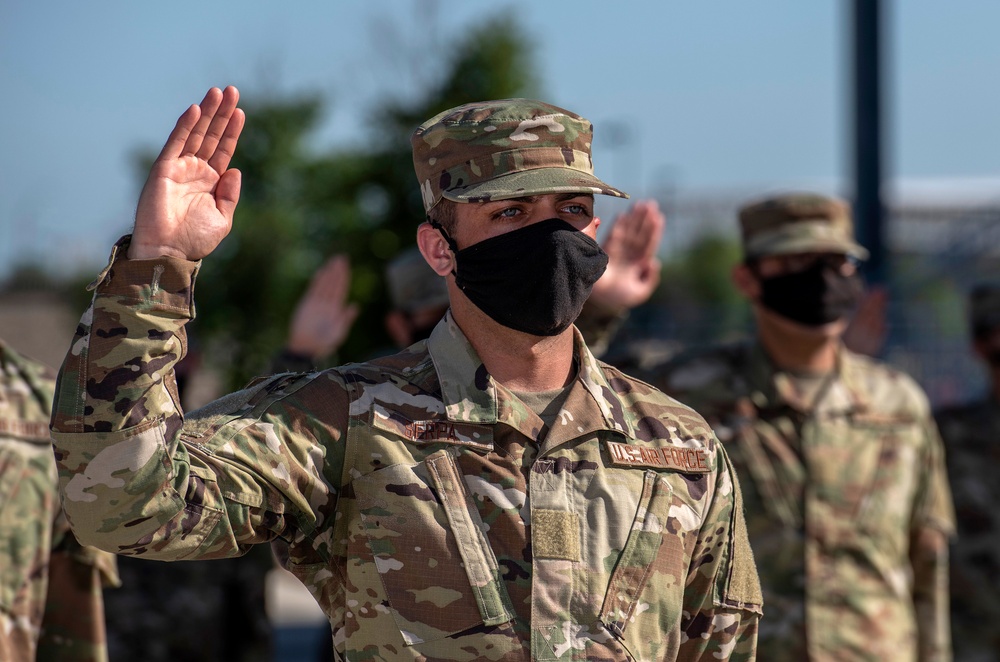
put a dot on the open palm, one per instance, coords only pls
(187, 204)
(633, 269)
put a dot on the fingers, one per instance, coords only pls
(655, 222)
(209, 106)
(209, 130)
(218, 126)
(332, 280)
(350, 314)
(174, 146)
(340, 277)
(636, 234)
(227, 143)
(644, 240)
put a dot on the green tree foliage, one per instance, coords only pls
(697, 295)
(299, 206)
(28, 276)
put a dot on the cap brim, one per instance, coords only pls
(787, 246)
(532, 182)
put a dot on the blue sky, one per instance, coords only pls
(724, 94)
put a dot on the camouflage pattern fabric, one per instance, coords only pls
(429, 512)
(971, 436)
(798, 223)
(197, 611)
(50, 586)
(509, 148)
(847, 502)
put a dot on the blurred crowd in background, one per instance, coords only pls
(323, 245)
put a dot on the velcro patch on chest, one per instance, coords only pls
(684, 460)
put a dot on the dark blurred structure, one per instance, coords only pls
(869, 211)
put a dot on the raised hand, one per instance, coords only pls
(187, 204)
(322, 317)
(867, 332)
(633, 269)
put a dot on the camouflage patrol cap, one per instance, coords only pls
(413, 285)
(496, 150)
(798, 223)
(984, 308)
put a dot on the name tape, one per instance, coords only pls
(464, 434)
(431, 431)
(685, 460)
(18, 428)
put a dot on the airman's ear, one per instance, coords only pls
(746, 281)
(435, 249)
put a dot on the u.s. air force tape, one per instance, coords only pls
(18, 428)
(685, 460)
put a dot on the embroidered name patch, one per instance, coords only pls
(431, 431)
(435, 431)
(18, 428)
(685, 460)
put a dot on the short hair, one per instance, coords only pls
(445, 213)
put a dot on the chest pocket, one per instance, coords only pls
(865, 468)
(654, 548)
(888, 503)
(439, 573)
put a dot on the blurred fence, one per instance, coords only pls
(937, 252)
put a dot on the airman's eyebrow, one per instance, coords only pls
(489, 204)
(561, 197)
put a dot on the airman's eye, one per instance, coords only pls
(577, 209)
(509, 212)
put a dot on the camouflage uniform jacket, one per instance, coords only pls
(430, 513)
(971, 436)
(50, 586)
(846, 500)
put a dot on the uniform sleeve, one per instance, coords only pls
(73, 627)
(722, 599)
(933, 524)
(136, 476)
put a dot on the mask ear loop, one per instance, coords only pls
(444, 233)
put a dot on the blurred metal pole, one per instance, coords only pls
(869, 213)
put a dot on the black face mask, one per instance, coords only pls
(816, 296)
(534, 279)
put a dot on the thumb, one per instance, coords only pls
(227, 192)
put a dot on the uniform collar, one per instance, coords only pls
(771, 387)
(471, 395)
